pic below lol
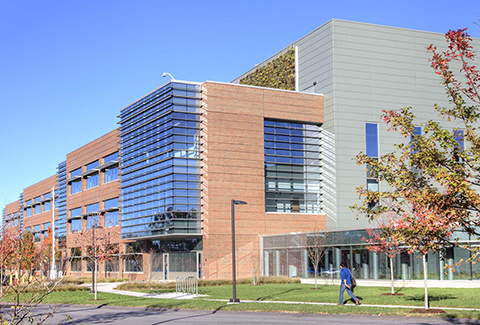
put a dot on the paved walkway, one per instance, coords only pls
(110, 288)
(400, 283)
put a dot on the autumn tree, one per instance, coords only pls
(21, 261)
(316, 244)
(7, 252)
(432, 178)
(99, 243)
(380, 241)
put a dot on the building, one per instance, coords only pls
(186, 149)
(361, 69)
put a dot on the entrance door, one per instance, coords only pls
(165, 266)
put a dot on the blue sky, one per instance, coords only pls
(68, 67)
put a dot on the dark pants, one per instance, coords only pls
(350, 293)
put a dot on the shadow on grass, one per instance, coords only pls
(277, 294)
(431, 297)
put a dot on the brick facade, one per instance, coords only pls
(232, 152)
(30, 193)
(233, 168)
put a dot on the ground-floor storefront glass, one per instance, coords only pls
(176, 258)
(283, 255)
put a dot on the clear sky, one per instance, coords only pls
(68, 67)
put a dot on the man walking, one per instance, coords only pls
(346, 284)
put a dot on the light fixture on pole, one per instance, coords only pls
(166, 73)
(234, 273)
(53, 270)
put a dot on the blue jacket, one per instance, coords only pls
(346, 275)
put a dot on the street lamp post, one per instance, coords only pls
(234, 273)
(53, 269)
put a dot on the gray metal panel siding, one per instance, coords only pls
(375, 68)
(316, 65)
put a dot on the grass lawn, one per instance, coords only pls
(439, 298)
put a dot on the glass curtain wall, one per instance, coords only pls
(160, 164)
(292, 167)
(283, 255)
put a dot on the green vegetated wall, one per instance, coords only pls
(278, 73)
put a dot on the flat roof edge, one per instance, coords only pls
(259, 87)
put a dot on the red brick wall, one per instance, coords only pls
(95, 150)
(233, 168)
(36, 190)
(10, 209)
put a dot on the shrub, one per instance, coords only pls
(206, 283)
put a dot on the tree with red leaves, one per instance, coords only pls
(100, 242)
(380, 241)
(433, 178)
(7, 252)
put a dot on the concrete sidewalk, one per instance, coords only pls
(399, 283)
(110, 288)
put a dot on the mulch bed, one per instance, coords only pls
(427, 311)
(392, 294)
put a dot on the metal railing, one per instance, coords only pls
(187, 285)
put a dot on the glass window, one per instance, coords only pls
(47, 225)
(92, 221)
(371, 138)
(28, 211)
(372, 185)
(76, 262)
(76, 172)
(92, 208)
(92, 181)
(47, 206)
(292, 182)
(111, 174)
(76, 225)
(110, 157)
(37, 199)
(92, 165)
(112, 203)
(134, 263)
(15, 222)
(111, 219)
(37, 209)
(75, 186)
(90, 265)
(112, 265)
(458, 135)
(47, 195)
(75, 212)
(28, 202)
(38, 234)
(417, 130)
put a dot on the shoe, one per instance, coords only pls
(340, 304)
(357, 302)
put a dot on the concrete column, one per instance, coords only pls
(305, 259)
(338, 259)
(375, 265)
(450, 260)
(326, 258)
(403, 261)
(441, 269)
(267, 263)
(277, 263)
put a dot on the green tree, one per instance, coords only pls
(431, 180)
